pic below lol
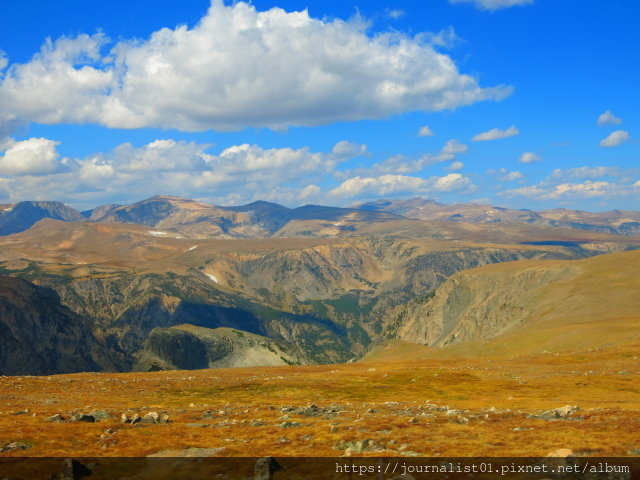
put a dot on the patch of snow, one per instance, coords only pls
(7, 210)
(192, 248)
(157, 234)
(339, 224)
(212, 277)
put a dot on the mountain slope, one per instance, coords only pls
(186, 347)
(39, 336)
(21, 216)
(530, 306)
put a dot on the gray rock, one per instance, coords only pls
(14, 446)
(360, 446)
(82, 417)
(100, 415)
(135, 418)
(74, 470)
(57, 418)
(265, 468)
(290, 425)
(311, 410)
(557, 413)
(151, 417)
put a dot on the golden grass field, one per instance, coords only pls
(392, 403)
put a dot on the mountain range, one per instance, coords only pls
(260, 219)
(173, 283)
(618, 222)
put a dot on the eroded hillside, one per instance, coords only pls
(530, 306)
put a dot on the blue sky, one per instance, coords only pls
(528, 103)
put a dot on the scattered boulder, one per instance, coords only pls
(14, 446)
(562, 457)
(290, 425)
(57, 418)
(265, 468)
(100, 415)
(311, 410)
(557, 413)
(460, 419)
(82, 417)
(561, 452)
(360, 446)
(74, 470)
(151, 417)
(155, 418)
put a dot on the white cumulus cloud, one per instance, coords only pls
(396, 13)
(238, 67)
(425, 131)
(587, 189)
(608, 118)
(30, 169)
(34, 156)
(449, 183)
(494, 4)
(615, 138)
(454, 147)
(506, 175)
(455, 166)
(529, 157)
(496, 134)
(584, 173)
(400, 184)
(383, 185)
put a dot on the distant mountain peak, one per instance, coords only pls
(261, 203)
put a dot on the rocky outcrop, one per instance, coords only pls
(186, 347)
(39, 336)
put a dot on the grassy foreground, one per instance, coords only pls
(426, 407)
